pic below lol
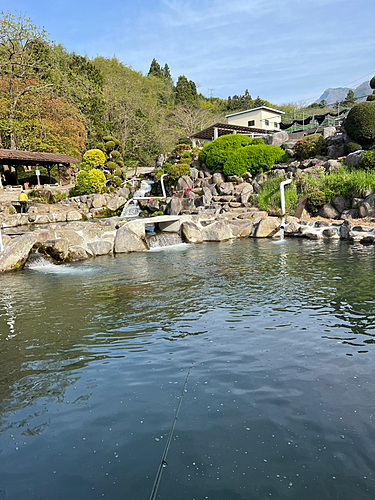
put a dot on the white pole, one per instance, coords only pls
(282, 194)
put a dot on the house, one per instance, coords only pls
(264, 118)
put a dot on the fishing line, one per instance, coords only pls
(163, 462)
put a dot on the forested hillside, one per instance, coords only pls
(57, 101)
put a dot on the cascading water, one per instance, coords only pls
(131, 208)
(163, 240)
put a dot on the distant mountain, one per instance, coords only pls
(339, 93)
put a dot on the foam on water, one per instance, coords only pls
(40, 264)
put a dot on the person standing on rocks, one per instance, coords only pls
(22, 198)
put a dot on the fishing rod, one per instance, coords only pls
(163, 462)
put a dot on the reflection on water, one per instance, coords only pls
(94, 356)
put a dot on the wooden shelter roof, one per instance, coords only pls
(225, 129)
(13, 157)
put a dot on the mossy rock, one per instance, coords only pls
(360, 123)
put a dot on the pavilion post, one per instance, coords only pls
(216, 133)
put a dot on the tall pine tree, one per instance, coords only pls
(155, 69)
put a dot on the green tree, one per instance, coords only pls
(167, 76)
(186, 91)
(20, 40)
(349, 100)
(155, 69)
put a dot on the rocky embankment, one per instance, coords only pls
(75, 241)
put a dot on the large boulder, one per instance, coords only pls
(174, 207)
(225, 188)
(276, 139)
(268, 227)
(98, 201)
(218, 178)
(16, 252)
(58, 248)
(115, 202)
(184, 182)
(73, 215)
(191, 233)
(217, 231)
(367, 207)
(328, 212)
(353, 159)
(242, 228)
(127, 241)
(340, 203)
(100, 247)
(188, 204)
(77, 253)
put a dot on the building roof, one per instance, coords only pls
(225, 129)
(277, 111)
(13, 157)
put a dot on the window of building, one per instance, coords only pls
(276, 125)
(251, 123)
(266, 122)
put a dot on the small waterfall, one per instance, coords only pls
(36, 260)
(162, 240)
(131, 208)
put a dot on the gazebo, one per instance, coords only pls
(14, 158)
(218, 129)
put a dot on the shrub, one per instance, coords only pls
(372, 82)
(310, 146)
(215, 154)
(253, 159)
(94, 158)
(116, 154)
(371, 97)
(180, 149)
(187, 154)
(110, 145)
(89, 181)
(316, 200)
(108, 138)
(257, 141)
(360, 123)
(185, 161)
(368, 161)
(350, 147)
(111, 165)
(176, 171)
(100, 146)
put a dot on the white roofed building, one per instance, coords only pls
(264, 118)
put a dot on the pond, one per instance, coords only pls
(279, 402)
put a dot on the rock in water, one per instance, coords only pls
(15, 253)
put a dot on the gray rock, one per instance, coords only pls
(260, 178)
(276, 139)
(191, 233)
(352, 213)
(184, 182)
(187, 205)
(127, 241)
(73, 215)
(245, 193)
(291, 229)
(353, 159)
(217, 231)
(100, 247)
(247, 176)
(356, 202)
(335, 150)
(328, 212)
(77, 253)
(330, 233)
(212, 188)
(241, 228)
(124, 192)
(340, 203)
(218, 178)
(43, 236)
(16, 252)
(277, 172)
(328, 132)
(98, 201)
(116, 202)
(58, 216)
(345, 229)
(367, 207)
(332, 165)
(224, 188)
(174, 207)
(207, 194)
(58, 248)
(73, 237)
(268, 227)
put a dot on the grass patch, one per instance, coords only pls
(269, 196)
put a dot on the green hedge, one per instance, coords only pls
(368, 161)
(215, 154)
(360, 123)
(253, 159)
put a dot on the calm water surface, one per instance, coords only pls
(279, 403)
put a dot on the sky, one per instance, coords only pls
(282, 50)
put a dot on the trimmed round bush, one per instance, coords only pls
(371, 97)
(174, 172)
(360, 123)
(108, 138)
(368, 161)
(89, 182)
(94, 158)
(310, 146)
(253, 159)
(216, 153)
(350, 147)
(372, 82)
(111, 165)
(100, 146)
(110, 145)
(116, 154)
